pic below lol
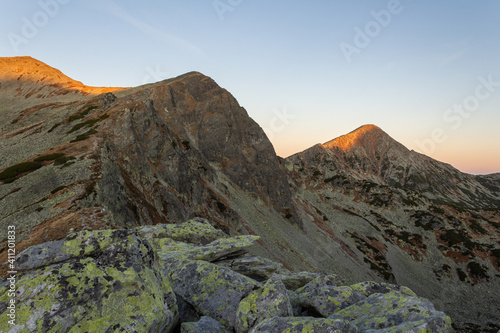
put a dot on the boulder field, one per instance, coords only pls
(192, 277)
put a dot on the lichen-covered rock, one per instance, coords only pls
(217, 249)
(257, 268)
(295, 281)
(322, 296)
(196, 231)
(395, 310)
(304, 325)
(270, 301)
(368, 288)
(204, 325)
(212, 290)
(109, 281)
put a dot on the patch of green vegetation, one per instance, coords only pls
(186, 145)
(478, 271)
(337, 179)
(57, 189)
(63, 159)
(14, 121)
(82, 114)
(453, 237)
(84, 136)
(49, 157)
(317, 173)
(88, 123)
(53, 127)
(174, 143)
(13, 171)
(67, 164)
(104, 116)
(436, 209)
(39, 209)
(221, 206)
(461, 275)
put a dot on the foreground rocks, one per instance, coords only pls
(178, 278)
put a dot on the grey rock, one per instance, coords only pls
(212, 290)
(322, 296)
(303, 325)
(204, 325)
(269, 301)
(257, 268)
(394, 310)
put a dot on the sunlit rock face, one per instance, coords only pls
(361, 206)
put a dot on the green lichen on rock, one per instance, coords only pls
(101, 280)
(217, 249)
(303, 325)
(196, 231)
(368, 288)
(257, 268)
(322, 296)
(212, 290)
(269, 301)
(380, 311)
(138, 280)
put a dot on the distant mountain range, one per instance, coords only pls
(362, 205)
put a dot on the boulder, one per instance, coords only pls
(321, 296)
(303, 325)
(204, 325)
(394, 310)
(257, 268)
(294, 281)
(269, 301)
(92, 282)
(197, 231)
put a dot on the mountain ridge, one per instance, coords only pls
(184, 147)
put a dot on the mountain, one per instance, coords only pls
(361, 206)
(412, 219)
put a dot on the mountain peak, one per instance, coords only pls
(27, 72)
(361, 135)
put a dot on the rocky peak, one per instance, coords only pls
(365, 137)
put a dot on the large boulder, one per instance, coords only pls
(395, 311)
(92, 282)
(257, 268)
(323, 297)
(270, 301)
(207, 288)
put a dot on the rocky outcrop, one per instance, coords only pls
(146, 279)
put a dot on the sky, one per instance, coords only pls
(426, 72)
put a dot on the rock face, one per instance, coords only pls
(135, 280)
(362, 207)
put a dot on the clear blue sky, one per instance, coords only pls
(306, 71)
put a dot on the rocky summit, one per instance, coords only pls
(340, 237)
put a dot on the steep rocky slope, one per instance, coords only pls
(78, 158)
